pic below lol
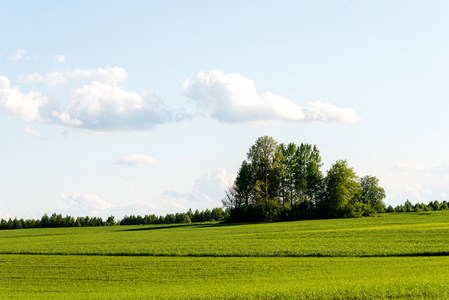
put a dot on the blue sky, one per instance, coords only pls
(139, 107)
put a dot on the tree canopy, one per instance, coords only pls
(285, 182)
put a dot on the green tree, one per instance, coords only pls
(287, 173)
(244, 185)
(371, 193)
(45, 221)
(170, 219)
(197, 216)
(16, 224)
(110, 221)
(342, 189)
(217, 214)
(264, 159)
(309, 176)
(207, 215)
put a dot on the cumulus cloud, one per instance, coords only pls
(416, 182)
(18, 55)
(111, 75)
(136, 160)
(214, 183)
(207, 192)
(233, 98)
(129, 185)
(59, 58)
(65, 118)
(32, 131)
(88, 204)
(89, 100)
(21, 105)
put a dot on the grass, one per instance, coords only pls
(395, 256)
(94, 277)
(411, 234)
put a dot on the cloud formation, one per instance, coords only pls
(59, 58)
(21, 105)
(89, 204)
(136, 160)
(91, 100)
(18, 55)
(417, 182)
(207, 192)
(233, 98)
(32, 131)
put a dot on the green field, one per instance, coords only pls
(391, 256)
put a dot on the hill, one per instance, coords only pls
(395, 255)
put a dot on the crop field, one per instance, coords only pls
(392, 256)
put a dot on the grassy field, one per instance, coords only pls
(390, 256)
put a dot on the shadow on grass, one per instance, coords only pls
(193, 225)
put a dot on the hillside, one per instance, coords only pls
(395, 255)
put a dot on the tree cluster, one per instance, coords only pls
(57, 220)
(285, 182)
(217, 214)
(419, 207)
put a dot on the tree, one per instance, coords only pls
(371, 193)
(45, 221)
(207, 215)
(110, 221)
(170, 219)
(244, 185)
(264, 159)
(309, 176)
(217, 214)
(287, 173)
(342, 189)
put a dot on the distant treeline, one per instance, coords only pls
(57, 220)
(409, 207)
(279, 182)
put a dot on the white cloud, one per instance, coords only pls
(35, 77)
(59, 58)
(111, 75)
(129, 185)
(136, 160)
(214, 182)
(99, 98)
(207, 192)
(87, 100)
(234, 98)
(86, 204)
(18, 55)
(65, 118)
(416, 182)
(32, 131)
(21, 105)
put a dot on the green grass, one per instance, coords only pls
(394, 256)
(392, 235)
(93, 277)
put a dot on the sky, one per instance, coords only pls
(149, 107)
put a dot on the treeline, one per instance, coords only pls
(285, 182)
(419, 207)
(216, 214)
(57, 220)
